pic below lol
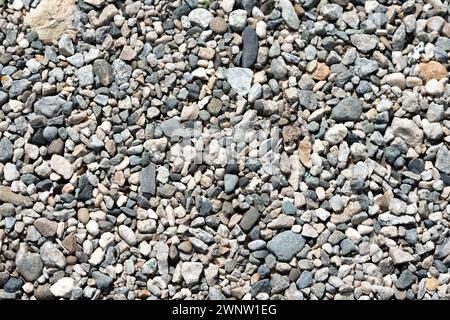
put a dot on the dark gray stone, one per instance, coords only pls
(249, 219)
(6, 150)
(250, 47)
(406, 279)
(147, 180)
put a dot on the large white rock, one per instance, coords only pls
(191, 272)
(200, 17)
(61, 166)
(63, 287)
(240, 79)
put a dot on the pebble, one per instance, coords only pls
(286, 245)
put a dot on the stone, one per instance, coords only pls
(103, 71)
(30, 266)
(46, 227)
(191, 272)
(85, 76)
(434, 88)
(305, 280)
(407, 130)
(52, 18)
(7, 196)
(442, 162)
(336, 134)
(431, 284)
(65, 45)
(7, 210)
(50, 106)
(218, 25)
(286, 245)
(214, 106)
(13, 284)
(230, 183)
(240, 79)
(406, 279)
(278, 68)
(399, 256)
(121, 71)
(51, 256)
(127, 235)
(63, 287)
(322, 72)
(348, 109)
(102, 281)
(200, 17)
(6, 150)
(10, 172)
(396, 79)
(249, 219)
(105, 16)
(147, 179)
(331, 11)
(432, 70)
(364, 42)
(289, 15)
(127, 54)
(250, 47)
(62, 166)
(237, 20)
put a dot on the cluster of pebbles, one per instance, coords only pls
(102, 198)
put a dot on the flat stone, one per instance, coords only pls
(286, 245)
